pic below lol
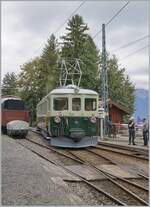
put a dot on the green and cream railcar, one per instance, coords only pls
(69, 115)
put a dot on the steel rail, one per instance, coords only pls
(79, 159)
(128, 152)
(77, 175)
(128, 181)
(144, 176)
(123, 147)
(122, 153)
(54, 150)
(115, 182)
(101, 156)
(123, 179)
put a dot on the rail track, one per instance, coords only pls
(123, 150)
(119, 182)
(124, 188)
(119, 146)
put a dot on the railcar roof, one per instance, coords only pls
(69, 89)
(72, 91)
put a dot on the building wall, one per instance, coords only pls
(116, 115)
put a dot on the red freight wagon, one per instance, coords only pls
(13, 108)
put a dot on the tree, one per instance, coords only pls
(75, 38)
(32, 86)
(90, 58)
(120, 88)
(9, 84)
(78, 44)
(49, 59)
(39, 76)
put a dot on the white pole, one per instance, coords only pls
(101, 129)
(101, 117)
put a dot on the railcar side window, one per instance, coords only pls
(60, 104)
(90, 104)
(76, 104)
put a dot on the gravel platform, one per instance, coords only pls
(28, 180)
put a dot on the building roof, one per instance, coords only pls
(119, 106)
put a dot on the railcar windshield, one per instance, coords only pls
(90, 104)
(60, 104)
(76, 104)
(14, 105)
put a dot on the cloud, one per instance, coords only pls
(27, 25)
(140, 81)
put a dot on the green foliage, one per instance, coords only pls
(120, 88)
(31, 84)
(9, 84)
(41, 75)
(75, 38)
(49, 61)
(78, 44)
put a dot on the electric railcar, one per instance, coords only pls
(69, 115)
(15, 116)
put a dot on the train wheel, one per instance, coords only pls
(24, 135)
(9, 133)
(4, 130)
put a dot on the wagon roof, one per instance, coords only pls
(3, 99)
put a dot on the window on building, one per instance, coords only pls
(90, 104)
(76, 104)
(60, 104)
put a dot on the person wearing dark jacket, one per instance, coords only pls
(145, 132)
(131, 127)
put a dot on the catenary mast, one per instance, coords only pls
(104, 79)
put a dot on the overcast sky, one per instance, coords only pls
(27, 25)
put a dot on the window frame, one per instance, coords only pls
(61, 97)
(72, 104)
(95, 104)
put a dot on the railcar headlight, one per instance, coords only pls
(93, 119)
(57, 119)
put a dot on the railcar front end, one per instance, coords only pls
(70, 117)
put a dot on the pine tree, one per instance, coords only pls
(78, 44)
(120, 88)
(75, 38)
(9, 84)
(49, 59)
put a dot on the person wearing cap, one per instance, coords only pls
(145, 132)
(131, 127)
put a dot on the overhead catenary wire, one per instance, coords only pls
(116, 14)
(134, 52)
(130, 43)
(83, 2)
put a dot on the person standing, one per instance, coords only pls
(145, 132)
(109, 126)
(131, 127)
